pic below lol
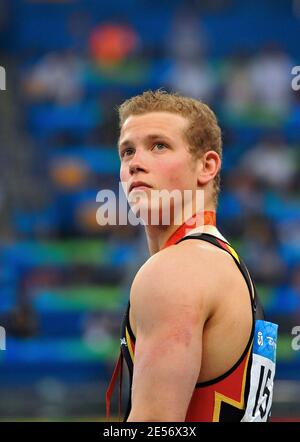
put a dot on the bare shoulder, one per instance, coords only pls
(215, 261)
(195, 261)
(189, 274)
(217, 268)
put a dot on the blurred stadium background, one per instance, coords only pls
(64, 280)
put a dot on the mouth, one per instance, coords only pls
(139, 185)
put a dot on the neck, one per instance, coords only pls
(160, 237)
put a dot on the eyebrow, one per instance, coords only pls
(151, 137)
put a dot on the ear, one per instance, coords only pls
(208, 166)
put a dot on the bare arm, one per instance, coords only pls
(169, 311)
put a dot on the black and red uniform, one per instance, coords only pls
(243, 393)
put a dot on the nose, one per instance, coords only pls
(137, 164)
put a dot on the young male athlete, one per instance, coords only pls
(193, 337)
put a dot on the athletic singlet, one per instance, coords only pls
(243, 393)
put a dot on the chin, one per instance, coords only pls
(153, 214)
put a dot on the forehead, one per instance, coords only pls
(153, 123)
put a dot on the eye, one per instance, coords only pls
(126, 152)
(160, 146)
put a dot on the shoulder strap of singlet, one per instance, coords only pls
(117, 373)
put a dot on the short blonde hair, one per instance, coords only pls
(203, 132)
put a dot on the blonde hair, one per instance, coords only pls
(203, 132)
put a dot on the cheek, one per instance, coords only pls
(177, 174)
(124, 174)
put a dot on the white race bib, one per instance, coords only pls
(262, 372)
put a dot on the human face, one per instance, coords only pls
(153, 150)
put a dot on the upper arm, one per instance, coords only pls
(169, 305)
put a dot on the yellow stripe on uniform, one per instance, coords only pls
(219, 398)
(128, 340)
(233, 253)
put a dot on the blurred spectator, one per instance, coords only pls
(111, 43)
(272, 162)
(56, 77)
(270, 79)
(69, 173)
(187, 38)
(189, 73)
(192, 77)
(238, 94)
(98, 327)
